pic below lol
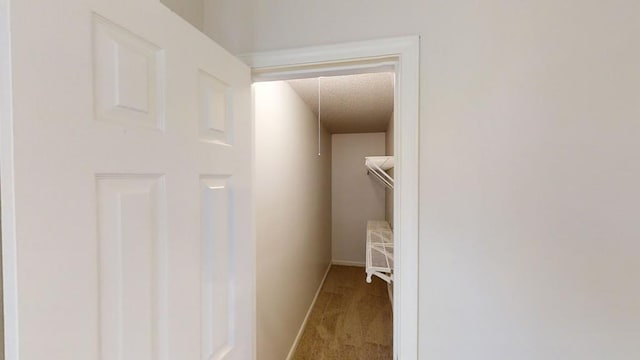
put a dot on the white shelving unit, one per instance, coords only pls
(379, 234)
(379, 258)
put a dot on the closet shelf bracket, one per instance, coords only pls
(377, 165)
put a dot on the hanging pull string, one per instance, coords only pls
(319, 114)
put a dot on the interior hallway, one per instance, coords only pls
(351, 320)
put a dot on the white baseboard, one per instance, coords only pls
(348, 263)
(306, 318)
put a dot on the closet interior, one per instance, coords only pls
(324, 216)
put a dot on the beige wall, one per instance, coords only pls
(388, 193)
(293, 187)
(356, 197)
(190, 10)
(529, 165)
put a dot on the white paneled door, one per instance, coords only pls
(132, 230)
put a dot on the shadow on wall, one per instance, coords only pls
(190, 10)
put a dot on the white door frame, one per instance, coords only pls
(10, 286)
(402, 56)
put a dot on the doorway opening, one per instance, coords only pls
(318, 205)
(399, 56)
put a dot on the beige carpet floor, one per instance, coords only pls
(351, 320)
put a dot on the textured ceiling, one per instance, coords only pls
(352, 103)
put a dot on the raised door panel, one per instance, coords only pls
(129, 76)
(132, 265)
(217, 276)
(216, 105)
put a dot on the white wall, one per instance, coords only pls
(293, 216)
(190, 10)
(529, 165)
(355, 197)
